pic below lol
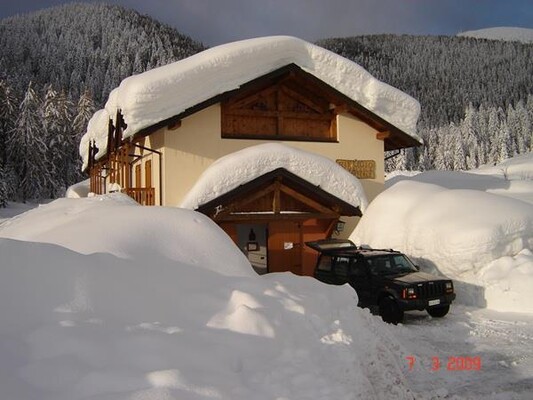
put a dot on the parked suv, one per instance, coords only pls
(385, 279)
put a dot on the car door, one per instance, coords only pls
(361, 281)
(341, 268)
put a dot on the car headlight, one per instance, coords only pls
(449, 286)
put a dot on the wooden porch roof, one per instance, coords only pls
(277, 194)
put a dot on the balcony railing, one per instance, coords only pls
(143, 196)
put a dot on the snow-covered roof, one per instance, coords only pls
(233, 170)
(167, 91)
(97, 129)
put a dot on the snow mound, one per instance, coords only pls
(510, 34)
(115, 224)
(468, 227)
(165, 311)
(245, 165)
(163, 92)
(78, 190)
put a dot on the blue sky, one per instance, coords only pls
(220, 21)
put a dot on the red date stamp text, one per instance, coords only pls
(460, 363)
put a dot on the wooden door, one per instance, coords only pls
(285, 247)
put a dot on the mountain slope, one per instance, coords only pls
(79, 46)
(523, 35)
(444, 73)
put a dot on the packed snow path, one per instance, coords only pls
(501, 341)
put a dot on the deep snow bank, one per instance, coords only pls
(474, 228)
(117, 225)
(157, 303)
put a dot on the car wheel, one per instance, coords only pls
(390, 311)
(438, 312)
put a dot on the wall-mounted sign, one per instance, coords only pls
(362, 169)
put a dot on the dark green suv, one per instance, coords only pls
(385, 279)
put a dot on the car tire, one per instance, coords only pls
(390, 311)
(439, 311)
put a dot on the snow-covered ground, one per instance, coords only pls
(102, 298)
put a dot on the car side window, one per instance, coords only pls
(324, 263)
(379, 265)
(341, 266)
(358, 269)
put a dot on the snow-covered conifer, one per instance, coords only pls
(29, 150)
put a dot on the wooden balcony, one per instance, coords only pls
(143, 196)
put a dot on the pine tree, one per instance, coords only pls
(84, 112)
(29, 149)
(8, 107)
(57, 114)
(3, 188)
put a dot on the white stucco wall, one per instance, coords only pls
(190, 149)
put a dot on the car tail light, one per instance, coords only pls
(409, 293)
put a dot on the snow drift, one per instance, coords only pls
(245, 165)
(474, 228)
(101, 298)
(163, 92)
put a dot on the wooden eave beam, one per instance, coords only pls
(383, 135)
(305, 200)
(272, 217)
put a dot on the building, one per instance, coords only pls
(161, 130)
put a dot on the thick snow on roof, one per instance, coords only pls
(104, 299)
(474, 228)
(510, 34)
(163, 92)
(245, 165)
(97, 129)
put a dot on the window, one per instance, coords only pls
(324, 263)
(379, 265)
(341, 266)
(358, 269)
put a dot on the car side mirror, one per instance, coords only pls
(417, 267)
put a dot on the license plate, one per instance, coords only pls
(433, 302)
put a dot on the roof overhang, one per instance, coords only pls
(320, 202)
(393, 137)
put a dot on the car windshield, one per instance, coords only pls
(388, 264)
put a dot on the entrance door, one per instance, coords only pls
(284, 247)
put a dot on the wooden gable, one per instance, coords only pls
(287, 109)
(274, 196)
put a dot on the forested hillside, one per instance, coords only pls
(86, 46)
(475, 94)
(56, 67)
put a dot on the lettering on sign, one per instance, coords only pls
(362, 169)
